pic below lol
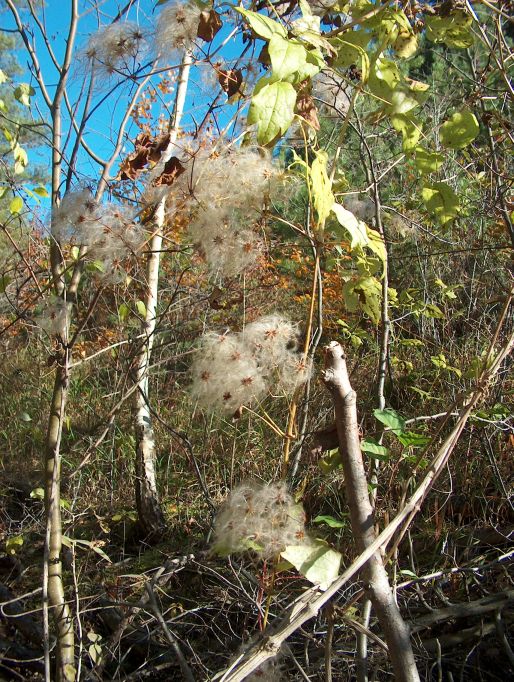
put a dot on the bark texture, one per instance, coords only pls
(56, 597)
(151, 517)
(394, 627)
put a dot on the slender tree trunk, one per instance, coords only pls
(56, 598)
(361, 514)
(151, 517)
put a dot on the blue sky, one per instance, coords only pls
(103, 126)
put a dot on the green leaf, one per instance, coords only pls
(316, 561)
(461, 129)
(366, 293)
(376, 244)
(123, 312)
(3, 77)
(427, 162)
(454, 29)
(21, 159)
(23, 93)
(433, 311)
(262, 25)
(141, 308)
(90, 544)
(5, 280)
(41, 191)
(329, 521)
(383, 79)
(321, 187)
(441, 201)
(14, 544)
(37, 494)
(357, 228)
(95, 652)
(350, 48)
(411, 343)
(330, 462)
(391, 419)
(287, 56)
(70, 672)
(408, 574)
(3, 190)
(272, 109)
(16, 205)
(406, 44)
(371, 447)
(413, 439)
(409, 128)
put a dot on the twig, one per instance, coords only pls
(186, 670)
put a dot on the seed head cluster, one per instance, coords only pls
(117, 47)
(107, 230)
(262, 518)
(54, 319)
(363, 208)
(177, 27)
(332, 92)
(236, 369)
(223, 193)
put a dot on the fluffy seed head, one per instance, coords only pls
(262, 518)
(177, 27)
(107, 230)
(237, 369)
(223, 193)
(334, 93)
(54, 319)
(362, 208)
(116, 47)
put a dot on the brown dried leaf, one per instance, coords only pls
(307, 109)
(218, 299)
(230, 81)
(172, 169)
(158, 146)
(146, 149)
(325, 440)
(210, 24)
(133, 164)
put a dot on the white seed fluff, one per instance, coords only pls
(223, 193)
(176, 27)
(117, 47)
(107, 230)
(262, 518)
(242, 368)
(333, 93)
(54, 319)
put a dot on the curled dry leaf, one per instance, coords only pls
(306, 108)
(210, 24)
(147, 150)
(172, 169)
(324, 440)
(230, 81)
